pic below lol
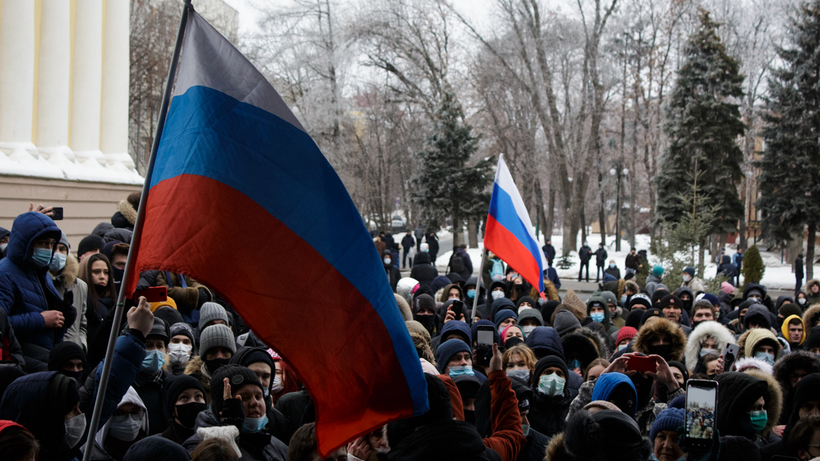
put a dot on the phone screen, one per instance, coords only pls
(485, 337)
(700, 413)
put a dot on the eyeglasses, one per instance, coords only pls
(121, 417)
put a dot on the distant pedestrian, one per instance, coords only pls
(737, 259)
(549, 251)
(600, 262)
(632, 263)
(798, 273)
(432, 247)
(407, 243)
(585, 253)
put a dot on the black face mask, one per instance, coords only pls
(102, 290)
(214, 364)
(664, 350)
(187, 413)
(643, 385)
(75, 375)
(118, 273)
(469, 416)
(427, 321)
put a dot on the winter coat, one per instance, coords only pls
(600, 257)
(10, 351)
(811, 317)
(707, 329)
(736, 394)
(727, 268)
(613, 271)
(408, 242)
(152, 392)
(535, 447)
(737, 260)
(607, 322)
(432, 244)
(443, 441)
(466, 263)
(66, 281)
(125, 216)
(695, 284)
(293, 406)
(549, 252)
(423, 270)
(26, 291)
(547, 414)
(585, 253)
(260, 446)
(812, 298)
(773, 405)
(783, 368)
(632, 261)
(196, 368)
(656, 327)
(393, 275)
(799, 268)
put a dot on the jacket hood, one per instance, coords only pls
(811, 316)
(458, 327)
(127, 210)
(405, 287)
(784, 328)
(759, 336)
(27, 228)
(796, 360)
(422, 258)
(753, 286)
(545, 341)
(499, 304)
(736, 394)
(35, 403)
(757, 310)
(774, 402)
(704, 330)
(132, 397)
(810, 283)
(404, 307)
(446, 290)
(607, 382)
(781, 300)
(661, 326)
(600, 299)
(580, 347)
(531, 314)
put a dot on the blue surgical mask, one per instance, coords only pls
(612, 266)
(525, 428)
(597, 316)
(254, 425)
(623, 300)
(622, 347)
(153, 361)
(459, 371)
(471, 294)
(574, 364)
(551, 385)
(765, 356)
(40, 257)
(57, 262)
(520, 374)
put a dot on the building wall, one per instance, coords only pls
(85, 204)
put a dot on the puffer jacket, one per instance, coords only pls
(26, 291)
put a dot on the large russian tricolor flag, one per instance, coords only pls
(509, 229)
(242, 200)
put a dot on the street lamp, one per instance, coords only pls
(618, 172)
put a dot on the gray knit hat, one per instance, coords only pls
(216, 335)
(210, 312)
(565, 321)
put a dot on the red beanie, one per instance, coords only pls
(625, 333)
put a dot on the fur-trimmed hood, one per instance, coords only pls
(404, 308)
(774, 404)
(69, 273)
(704, 330)
(796, 360)
(585, 346)
(579, 308)
(555, 449)
(128, 211)
(813, 311)
(660, 326)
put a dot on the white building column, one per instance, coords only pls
(115, 83)
(17, 54)
(54, 87)
(87, 81)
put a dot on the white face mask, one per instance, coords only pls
(801, 301)
(527, 329)
(387, 260)
(3, 246)
(125, 427)
(276, 386)
(74, 429)
(686, 277)
(498, 294)
(179, 353)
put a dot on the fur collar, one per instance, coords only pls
(555, 449)
(813, 311)
(774, 404)
(696, 338)
(127, 211)
(657, 326)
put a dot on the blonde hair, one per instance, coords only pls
(521, 350)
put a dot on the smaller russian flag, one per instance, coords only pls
(509, 229)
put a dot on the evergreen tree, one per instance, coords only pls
(753, 267)
(447, 185)
(703, 126)
(789, 186)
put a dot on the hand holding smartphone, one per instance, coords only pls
(484, 350)
(638, 363)
(701, 411)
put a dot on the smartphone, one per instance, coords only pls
(730, 356)
(485, 337)
(152, 294)
(638, 363)
(458, 308)
(701, 408)
(57, 213)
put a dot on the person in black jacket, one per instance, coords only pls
(432, 246)
(549, 251)
(798, 273)
(551, 397)
(585, 253)
(423, 270)
(727, 269)
(600, 262)
(393, 273)
(407, 243)
(632, 263)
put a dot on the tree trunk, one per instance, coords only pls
(742, 227)
(550, 223)
(541, 222)
(810, 251)
(472, 232)
(583, 225)
(601, 210)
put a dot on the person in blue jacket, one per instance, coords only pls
(39, 316)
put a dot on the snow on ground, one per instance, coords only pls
(777, 276)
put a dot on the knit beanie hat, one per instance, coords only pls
(657, 271)
(62, 353)
(601, 405)
(90, 243)
(179, 384)
(690, 271)
(424, 301)
(247, 355)
(237, 375)
(504, 314)
(216, 335)
(169, 302)
(633, 319)
(712, 299)
(670, 419)
(727, 288)
(625, 333)
(654, 312)
(788, 309)
(447, 350)
(565, 321)
(210, 312)
(182, 328)
(642, 299)
(169, 314)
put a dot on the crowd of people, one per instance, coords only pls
(562, 379)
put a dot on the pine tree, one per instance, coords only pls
(447, 185)
(753, 267)
(789, 188)
(703, 125)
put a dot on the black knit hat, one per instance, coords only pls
(170, 315)
(813, 338)
(237, 375)
(544, 363)
(247, 355)
(669, 301)
(179, 384)
(62, 353)
(90, 243)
